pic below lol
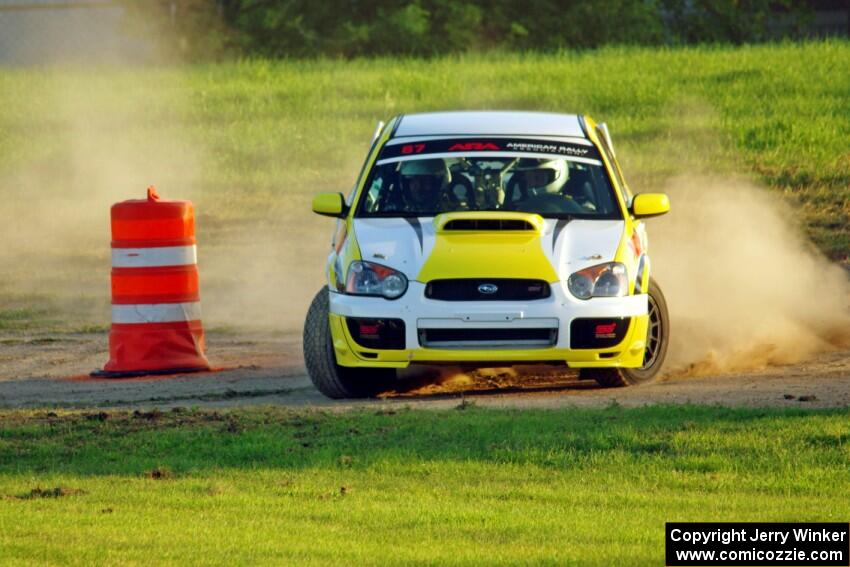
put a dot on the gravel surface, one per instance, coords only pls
(262, 369)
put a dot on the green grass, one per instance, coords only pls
(250, 142)
(400, 487)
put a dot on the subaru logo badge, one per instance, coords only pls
(488, 288)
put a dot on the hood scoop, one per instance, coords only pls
(488, 224)
(489, 221)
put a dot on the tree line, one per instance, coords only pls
(350, 28)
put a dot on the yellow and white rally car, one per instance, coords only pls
(487, 238)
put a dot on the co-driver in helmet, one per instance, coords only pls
(537, 186)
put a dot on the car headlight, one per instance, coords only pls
(604, 280)
(367, 278)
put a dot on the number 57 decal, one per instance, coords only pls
(408, 149)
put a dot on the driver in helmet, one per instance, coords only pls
(423, 184)
(537, 186)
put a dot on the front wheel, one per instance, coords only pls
(331, 379)
(657, 338)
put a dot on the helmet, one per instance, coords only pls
(422, 180)
(435, 167)
(543, 175)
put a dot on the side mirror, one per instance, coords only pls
(330, 205)
(646, 205)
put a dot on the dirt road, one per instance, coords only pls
(260, 369)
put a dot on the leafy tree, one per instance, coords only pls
(302, 28)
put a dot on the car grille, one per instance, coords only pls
(476, 289)
(488, 338)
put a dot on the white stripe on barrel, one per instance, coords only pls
(156, 313)
(154, 257)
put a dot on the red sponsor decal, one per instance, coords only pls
(473, 147)
(605, 329)
(408, 149)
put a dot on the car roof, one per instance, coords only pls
(490, 123)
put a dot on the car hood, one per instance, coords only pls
(422, 249)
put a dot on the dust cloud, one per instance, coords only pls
(84, 144)
(264, 275)
(84, 126)
(108, 145)
(81, 135)
(745, 289)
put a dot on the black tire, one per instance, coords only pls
(657, 339)
(331, 379)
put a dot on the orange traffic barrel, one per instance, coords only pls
(156, 309)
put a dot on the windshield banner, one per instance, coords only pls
(467, 145)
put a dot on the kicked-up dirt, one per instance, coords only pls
(262, 369)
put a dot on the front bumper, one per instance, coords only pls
(556, 311)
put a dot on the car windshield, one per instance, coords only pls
(552, 186)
